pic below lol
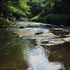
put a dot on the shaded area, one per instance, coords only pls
(62, 56)
(11, 57)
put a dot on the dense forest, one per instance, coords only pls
(47, 11)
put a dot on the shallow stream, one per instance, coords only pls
(29, 48)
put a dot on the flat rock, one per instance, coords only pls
(53, 42)
(67, 39)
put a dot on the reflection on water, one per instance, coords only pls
(10, 51)
(37, 60)
(61, 56)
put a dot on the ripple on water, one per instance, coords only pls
(37, 60)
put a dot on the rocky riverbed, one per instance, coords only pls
(43, 39)
(44, 34)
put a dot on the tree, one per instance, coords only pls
(13, 8)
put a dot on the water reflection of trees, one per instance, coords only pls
(10, 51)
(62, 56)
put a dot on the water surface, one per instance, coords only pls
(21, 50)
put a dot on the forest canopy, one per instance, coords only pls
(35, 10)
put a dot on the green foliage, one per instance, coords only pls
(18, 7)
(53, 11)
(23, 4)
(21, 8)
(38, 10)
(15, 9)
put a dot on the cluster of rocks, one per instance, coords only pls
(48, 37)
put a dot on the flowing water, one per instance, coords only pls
(25, 49)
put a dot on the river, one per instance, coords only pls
(35, 46)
